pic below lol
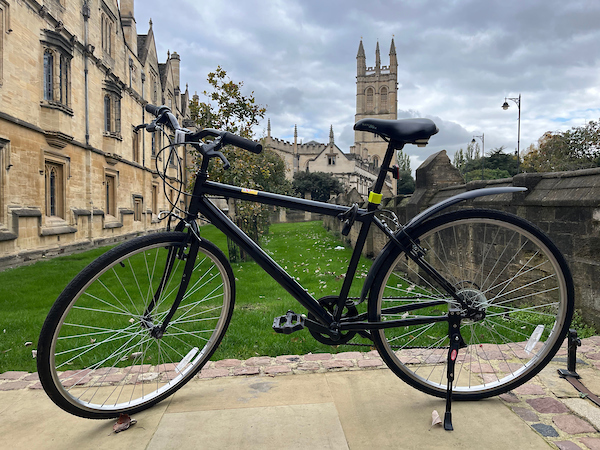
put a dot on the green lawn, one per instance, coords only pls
(305, 250)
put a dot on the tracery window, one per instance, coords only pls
(48, 75)
(54, 182)
(370, 99)
(384, 99)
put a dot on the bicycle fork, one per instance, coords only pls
(158, 330)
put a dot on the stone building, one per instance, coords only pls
(351, 170)
(376, 96)
(74, 79)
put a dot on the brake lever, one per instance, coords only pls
(150, 127)
(210, 151)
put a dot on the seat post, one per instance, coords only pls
(385, 165)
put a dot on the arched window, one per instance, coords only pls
(384, 99)
(370, 99)
(48, 75)
(54, 189)
(106, 31)
(376, 162)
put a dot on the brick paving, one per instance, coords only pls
(537, 403)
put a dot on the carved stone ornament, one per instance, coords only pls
(112, 159)
(57, 139)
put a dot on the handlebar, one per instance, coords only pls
(163, 115)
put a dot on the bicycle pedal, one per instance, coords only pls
(289, 323)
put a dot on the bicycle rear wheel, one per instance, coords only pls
(97, 357)
(506, 269)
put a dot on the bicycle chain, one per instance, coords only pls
(356, 344)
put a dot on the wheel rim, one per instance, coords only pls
(103, 356)
(509, 275)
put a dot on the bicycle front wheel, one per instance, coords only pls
(97, 354)
(508, 271)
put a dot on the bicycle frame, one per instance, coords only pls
(207, 208)
(327, 322)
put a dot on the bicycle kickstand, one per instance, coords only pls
(456, 342)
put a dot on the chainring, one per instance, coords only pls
(328, 302)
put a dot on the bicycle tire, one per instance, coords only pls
(503, 265)
(96, 355)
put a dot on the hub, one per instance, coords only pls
(476, 301)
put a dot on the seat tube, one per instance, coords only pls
(385, 165)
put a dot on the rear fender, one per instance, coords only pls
(416, 221)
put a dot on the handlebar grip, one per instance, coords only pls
(156, 110)
(246, 144)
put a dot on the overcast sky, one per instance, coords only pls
(458, 60)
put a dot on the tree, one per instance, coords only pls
(227, 109)
(495, 166)
(406, 182)
(321, 185)
(577, 148)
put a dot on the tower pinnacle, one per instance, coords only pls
(361, 60)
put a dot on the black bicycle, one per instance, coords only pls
(464, 305)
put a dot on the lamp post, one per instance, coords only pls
(517, 100)
(482, 137)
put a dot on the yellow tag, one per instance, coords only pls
(249, 191)
(375, 198)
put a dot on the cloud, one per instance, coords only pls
(457, 61)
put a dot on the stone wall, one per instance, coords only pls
(74, 171)
(565, 205)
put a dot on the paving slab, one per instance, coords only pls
(29, 420)
(378, 410)
(344, 407)
(250, 392)
(300, 427)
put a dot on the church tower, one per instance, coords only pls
(376, 96)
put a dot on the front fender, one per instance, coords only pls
(422, 217)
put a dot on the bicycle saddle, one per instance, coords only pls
(409, 131)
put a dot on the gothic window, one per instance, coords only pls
(117, 103)
(154, 199)
(136, 146)
(53, 177)
(155, 143)
(370, 99)
(64, 80)
(384, 99)
(137, 208)
(154, 83)
(106, 31)
(111, 195)
(112, 114)
(375, 162)
(107, 115)
(57, 54)
(48, 75)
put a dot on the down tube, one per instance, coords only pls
(223, 223)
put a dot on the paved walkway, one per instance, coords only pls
(332, 401)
